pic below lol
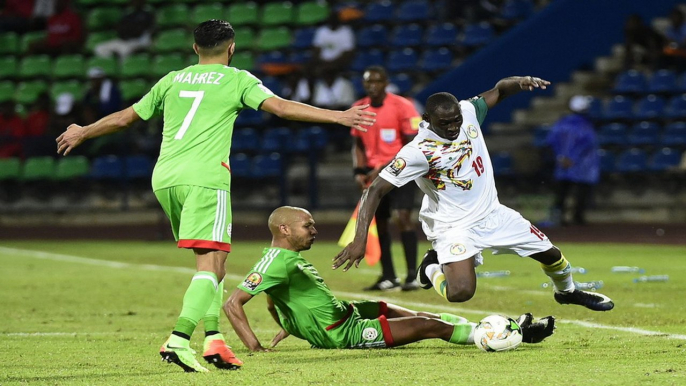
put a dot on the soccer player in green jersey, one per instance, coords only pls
(192, 177)
(302, 304)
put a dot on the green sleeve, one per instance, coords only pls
(481, 108)
(151, 103)
(264, 276)
(254, 92)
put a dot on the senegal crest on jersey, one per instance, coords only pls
(445, 160)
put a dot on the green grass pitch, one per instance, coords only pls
(88, 313)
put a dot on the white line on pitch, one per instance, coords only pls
(152, 267)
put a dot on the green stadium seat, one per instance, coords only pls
(175, 15)
(134, 88)
(173, 40)
(191, 60)
(9, 43)
(35, 66)
(243, 61)
(38, 168)
(277, 14)
(69, 66)
(71, 167)
(30, 37)
(73, 87)
(242, 14)
(103, 18)
(27, 92)
(162, 64)
(6, 91)
(8, 67)
(109, 65)
(206, 12)
(10, 168)
(245, 38)
(274, 38)
(135, 66)
(95, 38)
(311, 13)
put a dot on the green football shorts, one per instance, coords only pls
(366, 327)
(200, 217)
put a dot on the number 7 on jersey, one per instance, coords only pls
(197, 98)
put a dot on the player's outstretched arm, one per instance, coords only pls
(353, 253)
(510, 86)
(76, 135)
(233, 308)
(355, 117)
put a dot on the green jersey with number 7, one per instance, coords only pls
(200, 104)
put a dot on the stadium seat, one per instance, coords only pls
(176, 40)
(71, 167)
(137, 167)
(266, 166)
(245, 37)
(372, 36)
(35, 66)
(277, 140)
(133, 89)
(274, 38)
(300, 57)
(240, 14)
(663, 81)
(436, 60)
(516, 9)
(403, 82)
(444, 34)
(273, 57)
(402, 60)
(302, 38)
(136, 66)
(243, 60)
(69, 66)
(240, 165)
(28, 38)
(311, 12)
(630, 82)
(651, 106)
(414, 10)
(95, 38)
(606, 160)
(674, 135)
(8, 67)
(249, 117)
(107, 167)
(38, 168)
(644, 134)
(676, 108)
(541, 135)
(102, 18)
(277, 13)
(317, 136)
(10, 168)
(273, 83)
(407, 36)
(27, 92)
(620, 107)
(632, 161)
(6, 91)
(204, 12)
(477, 34)
(9, 43)
(109, 65)
(380, 12)
(73, 87)
(246, 139)
(502, 164)
(163, 64)
(664, 159)
(174, 15)
(366, 58)
(612, 134)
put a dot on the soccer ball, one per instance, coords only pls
(497, 333)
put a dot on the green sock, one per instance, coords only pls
(196, 301)
(463, 333)
(453, 319)
(211, 319)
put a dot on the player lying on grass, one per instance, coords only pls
(460, 213)
(302, 304)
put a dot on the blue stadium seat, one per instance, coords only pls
(665, 158)
(273, 83)
(541, 135)
(681, 83)
(502, 164)
(366, 58)
(358, 86)
(271, 57)
(632, 161)
(240, 165)
(674, 135)
(663, 81)
(107, 167)
(277, 139)
(620, 107)
(402, 60)
(436, 60)
(373, 36)
(517, 9)
(606, 160)
(477, 34)
(414, 10)
(266, 166)
(407, 36)
(245, 139)
(677, 107)
(595, 108)
(630, 82)
(651, 106)
(644, 134)
(249, 117)
(441, 35)
(311, 138)
(612, 134)
(379, 12)
(137, 167)
(300, 57)
(403, 82)
(302, 38)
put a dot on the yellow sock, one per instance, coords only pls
(440, 284)
(560, 272)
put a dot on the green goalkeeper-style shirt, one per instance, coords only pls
(199, 104)
(305, 304)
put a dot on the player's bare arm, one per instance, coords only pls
(76, 135)
(283, 334)
(355, 117)
(360, 163)
(353, 253)
(233, 308)
(510, 86)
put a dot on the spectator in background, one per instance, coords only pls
(573, 140)
(642, 44)
(334, 44)
(65, 32)
(102, 98)
(675, 42)
(42, 10)
(15, 16)
(333, 91)
(36, 140)
(11, 129)
(134, 32)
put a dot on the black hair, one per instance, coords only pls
(440, 100)
(378, 69)
(211, 33)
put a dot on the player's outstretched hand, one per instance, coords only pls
(357, 118)
(530, 83)
(353, 253)
(283, 334)
(70, 139)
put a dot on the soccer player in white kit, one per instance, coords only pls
(460, 212)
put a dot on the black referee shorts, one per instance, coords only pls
(398, 198)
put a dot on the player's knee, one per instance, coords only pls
(459, 294)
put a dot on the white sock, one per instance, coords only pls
(431, 270)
